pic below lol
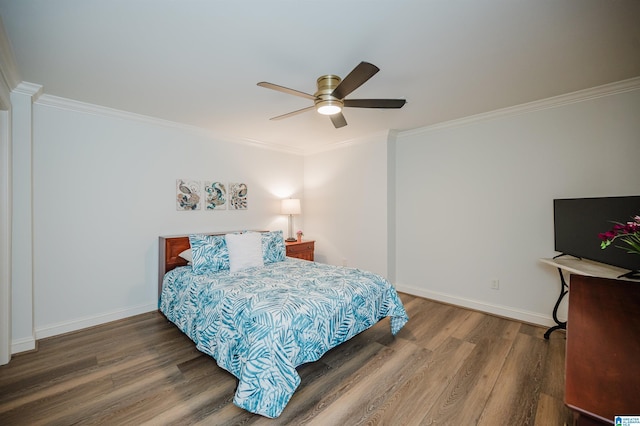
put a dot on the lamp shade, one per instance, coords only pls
(290, 206)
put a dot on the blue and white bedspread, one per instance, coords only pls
(261, 323)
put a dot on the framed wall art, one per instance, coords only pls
(187, 195)
(215, 195)
(237, 196)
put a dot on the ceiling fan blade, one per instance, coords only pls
(356, 78)
(374, 103)
(292, 113)
(338, 120)
(285, 90)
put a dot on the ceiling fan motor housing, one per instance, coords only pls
(324, 102)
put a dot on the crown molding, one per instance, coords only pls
(9, 75)
(553, 102)
(29, 89)
(268, 145)
(375, 136)
(92, 109)
(87, 108)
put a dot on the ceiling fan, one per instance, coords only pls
(329, 99)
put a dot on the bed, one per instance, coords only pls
(261, 321)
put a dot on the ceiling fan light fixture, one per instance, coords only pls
(328, 107)
(326, 104)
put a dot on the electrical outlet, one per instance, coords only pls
(495, 284)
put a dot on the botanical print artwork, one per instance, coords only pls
(187, 194)
(215, 194)
(238, 196)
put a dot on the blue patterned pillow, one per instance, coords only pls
(209, 253)
(273, 249)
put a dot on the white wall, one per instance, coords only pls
(474, 198)
(472, 202)
(345, 205)
(104, 190)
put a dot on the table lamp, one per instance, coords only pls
(290, 206)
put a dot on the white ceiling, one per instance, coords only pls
(197, 62)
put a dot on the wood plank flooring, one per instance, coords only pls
(447, 366)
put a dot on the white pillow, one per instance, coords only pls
(245, 251)
(186, 255)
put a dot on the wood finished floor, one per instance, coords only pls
(447, 366)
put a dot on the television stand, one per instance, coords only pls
(573, 265)
(560, 325)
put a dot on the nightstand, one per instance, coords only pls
(301, 250)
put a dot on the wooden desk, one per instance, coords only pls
(602, 377)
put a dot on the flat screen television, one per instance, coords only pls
(578, 221)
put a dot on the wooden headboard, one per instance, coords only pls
(170, 248)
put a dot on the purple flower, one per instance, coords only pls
(628, 233)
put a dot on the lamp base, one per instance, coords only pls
(291, 240)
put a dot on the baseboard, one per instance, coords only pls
(28, 344)
(79, 324)
(499, 310)
(23, 345)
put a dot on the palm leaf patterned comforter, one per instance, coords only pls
(261, 323)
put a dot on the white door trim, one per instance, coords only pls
(5, 237)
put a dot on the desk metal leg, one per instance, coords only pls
(564, 289)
